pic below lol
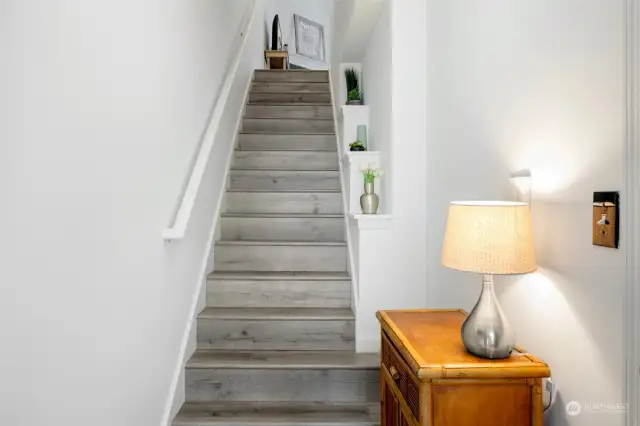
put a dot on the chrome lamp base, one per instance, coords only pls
(486, 332)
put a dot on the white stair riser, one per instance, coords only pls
(284, 202)
(289, 111)
(271, 293)
(286, 160)
(282, 229)
(287, 126)
(204, 385)
(304, 76)
(290, 98)
(280, 258)
(284, 180)
(289, 87)
(253, 141)
(321, 335)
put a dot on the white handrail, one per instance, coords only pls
(179, 227)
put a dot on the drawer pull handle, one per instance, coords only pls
(395, 375)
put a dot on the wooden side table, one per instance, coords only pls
(428, 379)
(276, 59)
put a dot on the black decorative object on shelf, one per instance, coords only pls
(276, 34)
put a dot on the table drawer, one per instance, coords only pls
(402, 376)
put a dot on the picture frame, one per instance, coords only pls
(310, 41)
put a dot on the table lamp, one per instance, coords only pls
(489, 238)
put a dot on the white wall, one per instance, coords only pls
(376, 84)
(104, 109)
(539, 85)
(363, 16)
(319, 11)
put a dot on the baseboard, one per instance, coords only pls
(351, 265)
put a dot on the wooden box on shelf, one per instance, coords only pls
(428, 379)
(276, 59)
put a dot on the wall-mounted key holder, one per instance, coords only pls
(606, 220)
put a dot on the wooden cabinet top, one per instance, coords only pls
(430, 343)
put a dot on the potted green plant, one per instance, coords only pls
(356, 146)
(354, 97)
(354, 94)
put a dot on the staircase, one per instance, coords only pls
(276, 339)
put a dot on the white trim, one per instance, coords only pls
(179, 227)
(345, 206)
(346, 109)
(631, 208)
(351, 156)
(372, 221)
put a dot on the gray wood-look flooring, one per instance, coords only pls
(283, 201)
(279, 414)
(272, 142)
(276, 340)
(289, 86)
(275, 293)
(305, 76)
(286, 160)
(279, 256)
(290, 97)
(282, 227)
(307, 385)
(287, 126)
(279, 360)
(285, 179)
(290, 111)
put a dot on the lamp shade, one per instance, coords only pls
(489, 237)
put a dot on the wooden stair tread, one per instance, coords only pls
(287, 118)
(278, 314)
(277, 413)
(290, 191)
(237, 169)
(287, 134)
(284, 215)
(284, 359)
(291, 103)
(280, 243)
(291, 70)
(280, 276)
(270, 151)
(281, 104)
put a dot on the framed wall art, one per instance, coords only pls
(309, 38)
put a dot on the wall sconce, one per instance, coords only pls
(522, 182)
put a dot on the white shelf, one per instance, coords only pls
(372, 221)
(346, 109)
(352, 116)
(357, 156)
